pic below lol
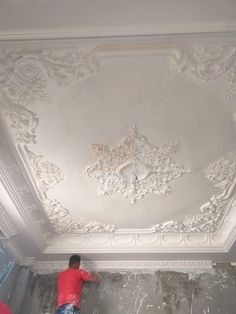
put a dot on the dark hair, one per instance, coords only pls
(74, 259)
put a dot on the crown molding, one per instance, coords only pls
(46, 267)
(121, 31)
(137, 243)
(7, 226)
(23, 210)
(23, 204)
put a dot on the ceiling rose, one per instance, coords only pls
(135, 167)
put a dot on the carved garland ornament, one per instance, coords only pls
(135, 167)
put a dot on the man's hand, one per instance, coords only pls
(95, 277)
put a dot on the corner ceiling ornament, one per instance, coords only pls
(135, 167)
(23, 81)
(62, 222)
(222, 173)
(210, 63)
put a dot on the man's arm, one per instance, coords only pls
(95, 277)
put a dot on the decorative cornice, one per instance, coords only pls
(138, 242)
(37, 226)
(6, 224)
(20, 195)
(45, 267)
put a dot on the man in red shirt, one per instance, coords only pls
(4, 309)
(70, 284)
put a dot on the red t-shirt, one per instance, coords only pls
(70, 284)
(4, 309)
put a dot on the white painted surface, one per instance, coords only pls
(132, 82)
(58, 18)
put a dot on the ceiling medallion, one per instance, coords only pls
(135, 167)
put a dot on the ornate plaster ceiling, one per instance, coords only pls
(120, 145)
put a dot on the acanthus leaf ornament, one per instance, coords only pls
(135, 167)
(206, 63)
(209, 63)
(66, 67)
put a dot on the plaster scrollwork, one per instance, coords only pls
(135, 167)
(23, 81)
(66, 67)
(222, 174)
(47, 174)
(62, 222)
(209, 63)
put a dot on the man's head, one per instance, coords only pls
(74, 261)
